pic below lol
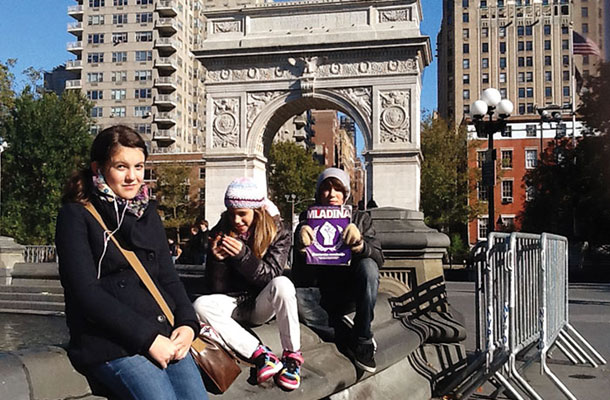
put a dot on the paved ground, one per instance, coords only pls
(589, 314)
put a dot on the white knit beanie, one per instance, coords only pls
(245, 193)
(341, 175)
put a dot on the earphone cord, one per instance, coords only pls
(108, 234)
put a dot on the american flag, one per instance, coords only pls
(584, 46)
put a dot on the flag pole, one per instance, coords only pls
(573, 84)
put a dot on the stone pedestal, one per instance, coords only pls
(11, 253)
(409, 245)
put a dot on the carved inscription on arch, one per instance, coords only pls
(395, 119)
(225, 125)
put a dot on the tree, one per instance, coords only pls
(7, 95)
(48, 139)
(292, 170)
(172, 190)
(444, 177)
(595, 108)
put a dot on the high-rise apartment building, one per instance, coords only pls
(134, 62)
(520, 47)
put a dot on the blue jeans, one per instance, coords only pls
(355, 287)
(137, 378)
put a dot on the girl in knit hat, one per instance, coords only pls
(248, 250)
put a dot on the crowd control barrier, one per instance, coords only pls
(522, 310)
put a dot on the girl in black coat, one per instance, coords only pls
(118, 334)
(247, 254)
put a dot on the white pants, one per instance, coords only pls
(278, 299)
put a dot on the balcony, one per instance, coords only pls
(166, 101)
(75, 28)
(165, 137)
(74, 64)
(166, 8)
(167, 26)
(166, 63)
(165, 83)
(164, 119)
(76, 12)
(74, 84)
(75, 47)
(167, 44)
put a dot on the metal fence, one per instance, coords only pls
(40, 254)
(522, 310)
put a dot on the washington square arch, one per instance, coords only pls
(266, 63)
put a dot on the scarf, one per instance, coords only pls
(135, 206)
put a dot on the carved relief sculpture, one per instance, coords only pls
(395, 15)
(225, 126)
(394, 121)
(227, 26)
(361, 98)
(255, 103)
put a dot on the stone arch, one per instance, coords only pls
(283, 106)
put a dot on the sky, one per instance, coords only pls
(35, 33)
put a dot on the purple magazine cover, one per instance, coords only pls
(328, 223)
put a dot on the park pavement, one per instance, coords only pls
(589, 307)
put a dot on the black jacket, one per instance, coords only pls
(304, 275)
(246, 273)
(115, 316)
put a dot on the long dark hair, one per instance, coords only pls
(79, 187)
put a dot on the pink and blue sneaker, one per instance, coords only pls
(267, 363)
(289, 377)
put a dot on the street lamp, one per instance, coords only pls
(549, 114)
(490, 103)
(3, 146)
(291, 198)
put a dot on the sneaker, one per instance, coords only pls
(363, 355)
(349, 322)
(267, 363)
(289, 377)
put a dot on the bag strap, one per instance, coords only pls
(137, 266)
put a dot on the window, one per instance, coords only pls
(94, 58)
(529, 92)
(144, 2)
(502, 47)
(145, 93)
(142, 111)
(485, 62)
(466, 78)
(118, 94)
(566, 91)
(530, 108)
(145, 55)
(142, 18)
(508, 222)
(564, 30)
(466, 63)
(531, 158)
(95, 94)
(481, 157)
(503, 93)
(97, 112)
(465, 17)
(465, 48)
(584, 28)
(482, 228)
(530, 130)
(520, 45)
(528, 30)
(529, 193)
(547, 61)
(485, 47)
(465, 33)
(548, 76)
(565, 44)
(566, 60)
(561, 131)
(120, 2)
(529, 76)
(119, 56)
(466, 110)
(547, 29)
(95, 20)
(201, 173)
(485, 77)
(548, 91)
(96, 3)
(547, 45)
(144, 129)
(144, 36)
(466, 94)
(482, 192)
(529, 45)
(95, 129)
(521, 62)
(502, 31)
(507, 191)
(119, 76)
(585, 60)
(143, 75)
(502, 77)
(507, 158)
(584, 12)
(117, 112)
(520, 30)
(521, 108)
(485, 32)
(502, 62)
(95, 77)
(95, 38)
(119, 37)
(202, 194)
(508, 132)
(529, 61)
(521, 93)
(118, 19)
